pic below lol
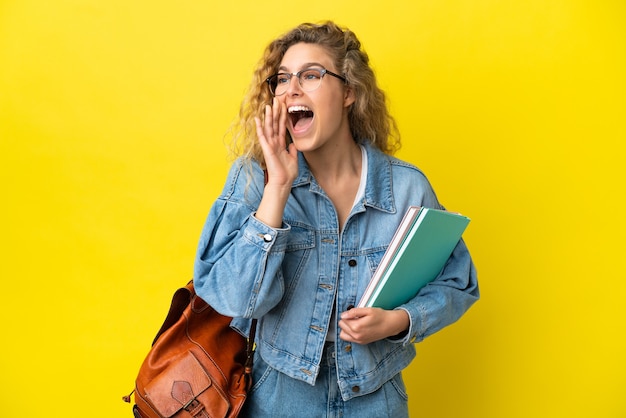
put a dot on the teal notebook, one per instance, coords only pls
(416, 255)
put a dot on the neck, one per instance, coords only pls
(336, 162)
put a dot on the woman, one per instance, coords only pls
(298, 250)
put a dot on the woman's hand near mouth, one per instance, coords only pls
(281, 161)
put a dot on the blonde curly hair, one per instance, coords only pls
(369, 116)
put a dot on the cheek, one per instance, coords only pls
(333, 110)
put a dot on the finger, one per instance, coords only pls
(259, 129)
(350, 327)
(344, 327)
(277, 114)
(282, 124)
(347, 334)
(268, 129)
(355, 313)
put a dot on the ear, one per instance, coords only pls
(348, 97)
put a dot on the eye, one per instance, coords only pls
(311, 74)
(282, 78)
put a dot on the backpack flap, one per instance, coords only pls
(186, 385)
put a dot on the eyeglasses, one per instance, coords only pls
(310, 79)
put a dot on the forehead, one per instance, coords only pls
(302, 55)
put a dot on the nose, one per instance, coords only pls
(294, 86)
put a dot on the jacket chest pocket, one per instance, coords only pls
(373, 257)
(298, 252)
(300, 239)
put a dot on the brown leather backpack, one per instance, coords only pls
(197, 367)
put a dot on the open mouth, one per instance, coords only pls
(301, 117)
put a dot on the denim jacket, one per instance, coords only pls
(294, 276)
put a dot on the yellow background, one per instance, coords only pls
(112, 117)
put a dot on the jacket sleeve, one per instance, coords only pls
(237, 268)
(444, 300)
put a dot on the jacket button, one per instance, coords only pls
(352, 263)
(355, 389)
(347, 348)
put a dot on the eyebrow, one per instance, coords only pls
(303, 66)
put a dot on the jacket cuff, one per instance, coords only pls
(411, 334)
(265, 236)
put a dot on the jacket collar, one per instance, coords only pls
(378, 190)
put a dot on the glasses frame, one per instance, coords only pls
(323, 71)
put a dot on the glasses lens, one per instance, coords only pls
(310, 79)
(279, 83)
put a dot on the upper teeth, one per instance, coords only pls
(298, 109)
